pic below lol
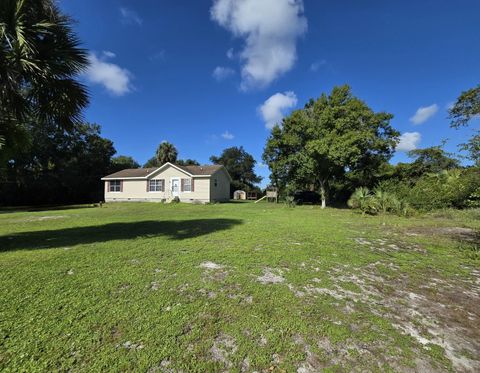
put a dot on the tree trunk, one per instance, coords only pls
(323, 194)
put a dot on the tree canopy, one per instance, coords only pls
(241, 167)
(465, 108)
(472, 147)
(58, 167)
(431, 160)
(334, 134)
(463, 111)
(151, 163)
(123, 162)
(187, 162)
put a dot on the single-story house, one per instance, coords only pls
(162, 184)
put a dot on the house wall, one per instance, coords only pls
(222, 191)
(136, 189)
(201, 190)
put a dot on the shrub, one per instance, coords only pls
(453, 188)
(380, 201)
(473, 199)
(384, 199)
(457, 188)
(401, 207)
(290, 201)
(397, 188)
(363, 200)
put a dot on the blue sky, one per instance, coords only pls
(210, 74)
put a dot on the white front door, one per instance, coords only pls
(175, 187)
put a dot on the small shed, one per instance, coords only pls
(239, 194)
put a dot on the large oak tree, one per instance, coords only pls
(334, 134)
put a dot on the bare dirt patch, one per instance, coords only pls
(223, 347)
(312, 363)
(245, 366)
(386, 245)
(214, 271)
(440, 312)
(351, 354)
(458, 233)
(164, 367)
(132, 346)
(210, 265)
(271, 276)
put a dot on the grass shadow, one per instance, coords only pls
(171, 229)
(11, 209)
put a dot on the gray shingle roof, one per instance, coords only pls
(132, 172)
(200, 170)
(143, 172)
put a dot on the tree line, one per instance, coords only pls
(336, 145)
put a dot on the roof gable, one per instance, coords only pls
(165, 166)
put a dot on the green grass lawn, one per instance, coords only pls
(237, 287)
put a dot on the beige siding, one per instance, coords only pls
(221, 192)
(201, 190)
(136, 189)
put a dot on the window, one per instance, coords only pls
(115, 186)
(155, 186)
(187, 185)
(215, 182)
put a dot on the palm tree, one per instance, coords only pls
(166, 152)
(40, 58)
(362, 199)
(383, 199)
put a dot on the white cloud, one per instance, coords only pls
(130, 17)
(108, 54)
(274, 108)
(424, 113)
(317, 64)
(115, 79)
(409, 141)
(270, 29)
(158, 56)
(221, 73)
(227, 135)
(230, 54)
